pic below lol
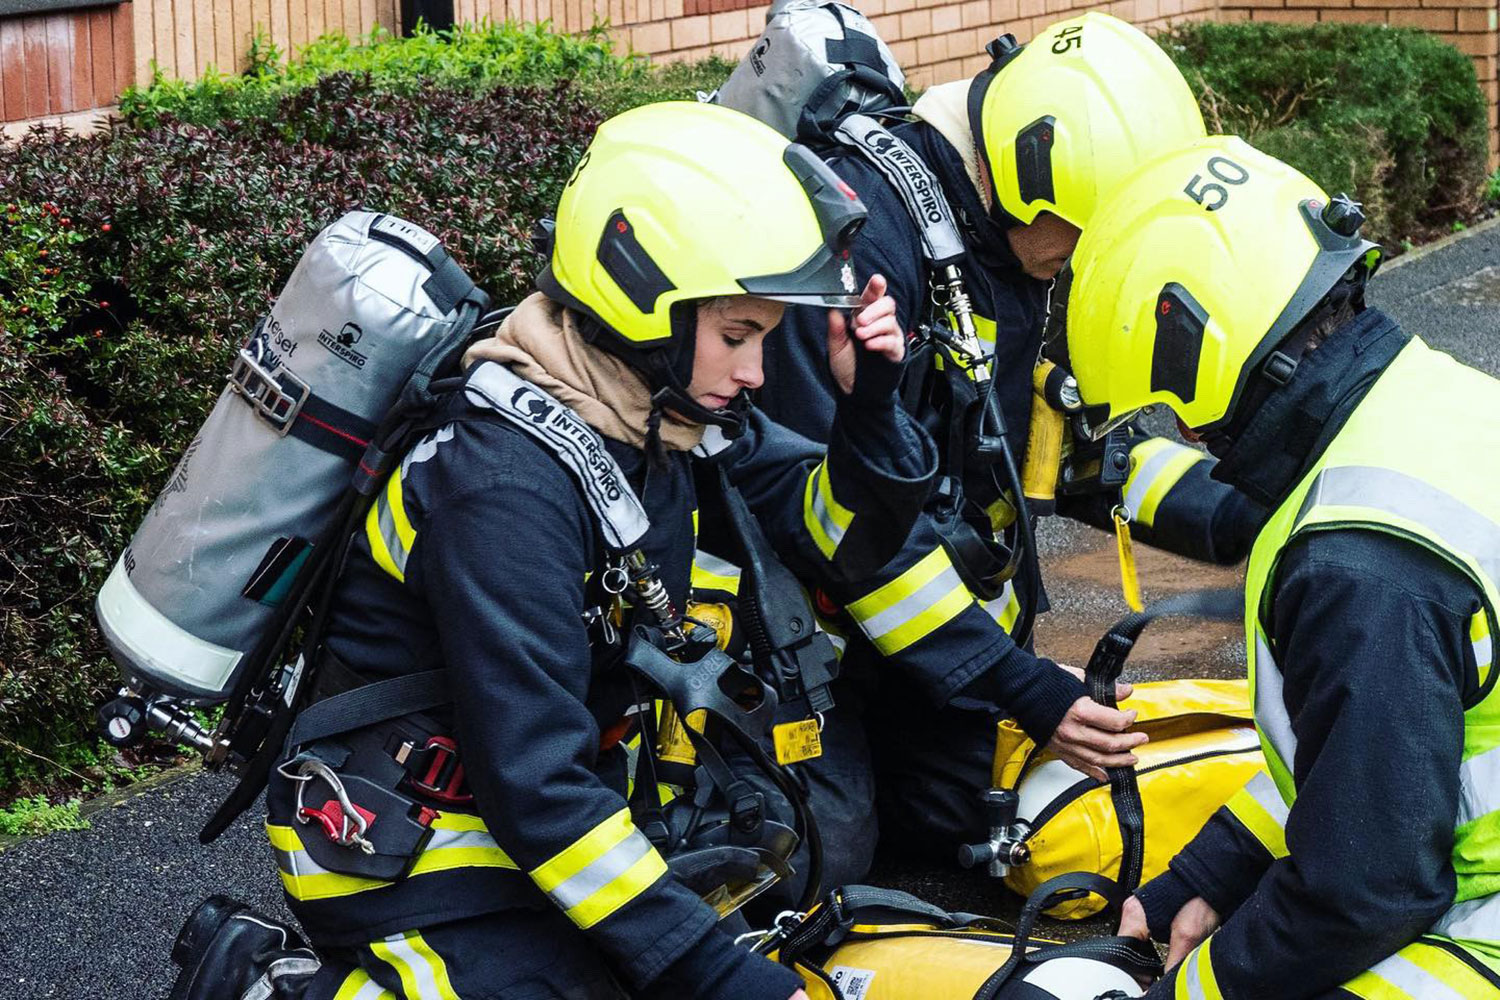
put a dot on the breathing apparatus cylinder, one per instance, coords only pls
(206, 573)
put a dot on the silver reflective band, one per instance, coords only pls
(1141, 482)
(714, 566)
(415, 969)
(1460, 526)
(1415, 981)
(1479, 786)
(831, 527)
(389, 535)
(909, 607)
(1263, 790)
(1475, 920)
(1270, 706)
(610, 866)
(1190, 974)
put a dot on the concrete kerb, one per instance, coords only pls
(111, 800)
(1427, 249)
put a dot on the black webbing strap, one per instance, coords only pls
(447, 285)
(372, 703)
(1073, 885)
(841, 908)
(1104, 668)
(855, 49)
(332, 428)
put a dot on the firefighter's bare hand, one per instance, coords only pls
(799, 995)
(1133, 920)
(1190, 928)
(1133, 925)
(881, 348)
(1092, 737)
(1123, 689)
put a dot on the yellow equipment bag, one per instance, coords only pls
(866, 943)
(1203, 749)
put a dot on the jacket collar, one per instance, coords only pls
(1296, 423)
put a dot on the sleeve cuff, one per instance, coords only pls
(717, 968)
(1162, 898)
(1032, 689)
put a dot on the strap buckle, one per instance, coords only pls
(276, 399)
(436, 770)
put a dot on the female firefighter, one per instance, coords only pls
(511, 864)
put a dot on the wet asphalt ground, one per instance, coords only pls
(92, 914)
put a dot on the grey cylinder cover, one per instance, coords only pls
(200, 580)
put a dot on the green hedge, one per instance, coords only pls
(132, 262)
(1393, 116)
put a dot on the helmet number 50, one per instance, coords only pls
(1215, 196)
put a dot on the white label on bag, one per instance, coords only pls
(853, 983)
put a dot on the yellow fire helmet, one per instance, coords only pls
(680, 201)
(1062, 120)
(1196, 276)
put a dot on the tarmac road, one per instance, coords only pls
(92, 914)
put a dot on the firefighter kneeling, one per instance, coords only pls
(450, 819)
(1227, 286)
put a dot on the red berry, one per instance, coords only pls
(103, 304)
(65, 221)
(105, 228)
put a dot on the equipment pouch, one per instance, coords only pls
(350, 816)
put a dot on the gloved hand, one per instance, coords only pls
(867, 365)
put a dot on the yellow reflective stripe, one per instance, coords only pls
(712, 573)
(1260, 808)
(1196, 980)
(1156, 466)
(826, 519)
(359, 986)
(1420, 971)
(378, 548)
(601, 871)
(458, 841)
(1484, 648)
(925, 597)
(1006, 608)
(424, 975)
(388, 530)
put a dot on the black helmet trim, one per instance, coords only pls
(807, 284)
(630, 265)
(839, 211)
(1034, 160)
(1337, 256)
(1001, 56)
(1180, 324)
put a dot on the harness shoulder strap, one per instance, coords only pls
(564, 435)
(903, 169)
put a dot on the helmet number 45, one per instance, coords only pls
(1215, 196)
(1068, 38)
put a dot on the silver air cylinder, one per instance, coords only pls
(261, 480)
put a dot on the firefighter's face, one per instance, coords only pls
(1044, 245)
(727, 356)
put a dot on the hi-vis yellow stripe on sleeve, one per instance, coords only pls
(1260, 807)
(388, 531)
(827, 520)
(924, 598)
(1196, 980)
(1155, 467)
(1484, 645)
(602, 871)
(424, 974)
